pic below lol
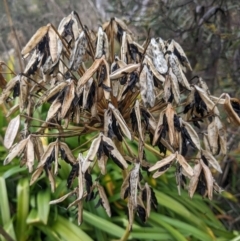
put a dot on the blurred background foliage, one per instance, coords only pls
(210, 35)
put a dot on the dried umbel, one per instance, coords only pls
(139, 94)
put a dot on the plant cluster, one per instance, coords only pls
(108, 84)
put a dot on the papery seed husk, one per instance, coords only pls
(148, 199)
(122, 71)
(208, 178)
(68, 98)
(175, 86)
(139, 122)
(51, 180)
(23, 98)
(106, 81)
(100, 43)
(78, 53)
(233, 116)
(170, 120)
(174, 64)
(188, 169)
(167, 89)
(68, 153)
(81, 179)
(124, 48)
(104, 199)
(36, 175)
(35, 39)
(53, 109)
(183, 58)
(211, 160)
(46, 154)
(134, 179)
(115, 152)
(125, 185)
(194, 179)
(158, 58)
(206, 99)
(213, 137)
(50, 93)
(11, 131)
(120, 121)
(90, 72)
(154, 71)
(16, 150)
(163, 162)
(158, 128)
(53, 45)
(30, 155)
(192, 133)
(80, 212)
(91, 153)
(61, 199)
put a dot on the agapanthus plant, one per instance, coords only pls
(109, 84)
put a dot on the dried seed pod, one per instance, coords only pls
(211, 160)
(79, 52)
(91, 153)
(69, 95)
(106, 84)
(208, 178)
(100, 43)
(192, 133)
(187, 168)
(90, 72)
(104, 200)
(11, 132)
(124, 48)
(175, 86)
(120, 121)
(115, 154)
(138, 117)
(213, 137)
(35, 40)
(178, 51)
(206, 99)
(154, 71)
(133, 180)
(158, 58)
(11, 85)
(123, 71)
(51, 93)
(53, 110)
(194, 179)
(30, 155)
(147, 87)
(61, 199)
(53, 44)
(15, 150)
(160, 165)
(170, 121)
(232, 107)
(174, 64)
(66, 153)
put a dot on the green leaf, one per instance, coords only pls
(69, 231)
(103, 224)
(33, 217)
(181, 226)
(22, 209)
(43, 206)
(4, 205)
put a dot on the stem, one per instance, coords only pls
(5, 234)
(126, 234)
